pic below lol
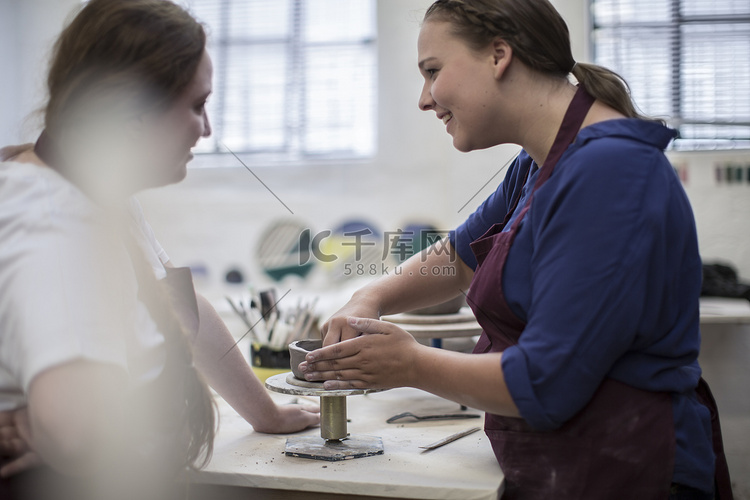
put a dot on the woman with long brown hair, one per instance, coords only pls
(105, 349)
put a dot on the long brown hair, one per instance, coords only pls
(149, 49)
(539, 38)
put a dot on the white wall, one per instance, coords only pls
(416, 175)
(27, 30)
(8, 86)
(216, 216)
(722, 210)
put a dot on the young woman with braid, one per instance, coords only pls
(582, 269)
(104, 346)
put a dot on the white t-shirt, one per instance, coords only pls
(67, 287)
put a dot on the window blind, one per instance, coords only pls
(686, 61)
(293, 79)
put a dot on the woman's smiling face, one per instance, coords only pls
(459, 84)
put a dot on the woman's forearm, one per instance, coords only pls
(386, 356)
(474, 380)
(433, 276)
(219, 359)
(225, 369)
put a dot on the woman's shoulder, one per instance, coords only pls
(26, 179)
(36, 200)
(614, 137)
(618, 167)
(15, 151)
(624, 149)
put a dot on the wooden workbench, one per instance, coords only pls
(247, 464)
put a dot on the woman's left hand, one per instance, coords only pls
(382, 358)
(291, 418)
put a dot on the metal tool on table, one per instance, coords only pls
(444, 416)
(450, 439)
(334, 443)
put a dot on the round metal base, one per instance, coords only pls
(317, 448)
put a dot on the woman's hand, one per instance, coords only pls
(338, 328)
(15, 442)
(383, 356)
(410, 288)
(291, 418)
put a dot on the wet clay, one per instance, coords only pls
(297, 352)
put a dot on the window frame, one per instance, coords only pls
(291, 149)
(675, 27)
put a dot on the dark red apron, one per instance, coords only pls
(620, 445)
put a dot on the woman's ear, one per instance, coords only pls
(502, 55)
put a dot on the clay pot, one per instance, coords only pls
(297, 352)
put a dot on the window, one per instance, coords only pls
(293, 79)
(687, 61)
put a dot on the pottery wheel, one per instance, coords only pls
(437, 326)
(292, 380)
(464, 315)
(334, 442)
(281, 383)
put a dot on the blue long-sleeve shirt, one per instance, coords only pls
(605, 271)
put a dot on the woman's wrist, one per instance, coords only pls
(367, 298)
(418, 366)
(267, 419)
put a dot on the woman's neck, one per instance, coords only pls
(86, 166)
(546, 106)
(547, 102)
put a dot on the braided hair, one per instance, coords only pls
(539, 38)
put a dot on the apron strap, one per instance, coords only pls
(571, 124)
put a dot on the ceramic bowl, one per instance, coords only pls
(297, 352)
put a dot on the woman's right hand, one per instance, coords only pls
(408, 289)
(15, 443)
(337, 328)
